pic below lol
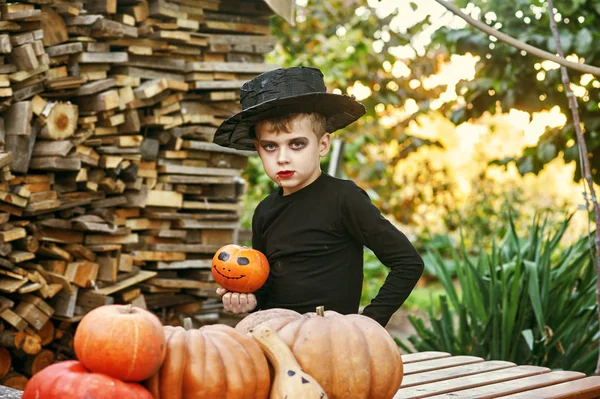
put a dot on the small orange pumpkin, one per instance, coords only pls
(120, 341)
(240, 269)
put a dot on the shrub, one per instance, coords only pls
(527, 300)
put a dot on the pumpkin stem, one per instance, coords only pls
(321, 311)
(128, 308)
(187, 323)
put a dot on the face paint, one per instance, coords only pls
(240, 269)
(292, 159)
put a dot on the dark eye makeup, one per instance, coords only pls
(298, 143)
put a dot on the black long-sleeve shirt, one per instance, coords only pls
(314, 242)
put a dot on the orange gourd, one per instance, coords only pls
(120, 341)
(240, 269)
(350, 356)
(214, 361)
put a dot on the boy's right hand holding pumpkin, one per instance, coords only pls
(235, 302)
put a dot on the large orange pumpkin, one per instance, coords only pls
(240, 269)
(120, 341)
(214, 361)
(70, 380)
(350, 356)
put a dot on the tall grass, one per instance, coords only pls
(528, 300)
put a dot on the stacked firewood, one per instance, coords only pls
(111, 190)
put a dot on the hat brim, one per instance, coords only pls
(339, 111)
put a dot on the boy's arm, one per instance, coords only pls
(262, 294)
(364, 221)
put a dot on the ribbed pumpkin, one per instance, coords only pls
(214, 361)
(121, 341)
(70, 380)
(350, 356)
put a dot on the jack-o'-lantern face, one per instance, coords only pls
(240, 269)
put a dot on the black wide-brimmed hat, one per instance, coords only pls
(285, 91)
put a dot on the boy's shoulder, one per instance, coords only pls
(341, 185)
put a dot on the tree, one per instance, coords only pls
(509, 78)
(351, 41)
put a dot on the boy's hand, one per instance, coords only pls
(236, 302)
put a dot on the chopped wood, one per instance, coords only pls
(55, 164)
(13, 234)
(32, 314)
(28, 342)
(139, 277)
(18, 118)
(24, 58)
(63, 49)
(114, 106)
(82, 273)
(14, 380)
(5, 362)
(13, 319)
(61, 121)
(59, 148)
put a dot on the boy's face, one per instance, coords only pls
(292, 160)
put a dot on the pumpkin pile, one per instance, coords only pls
(118, 346)
(125, 352)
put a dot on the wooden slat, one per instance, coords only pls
(514, 386)
(141, 276)
(472, 381)
(436, 364)
(422, 356)
(454, 372)
(585, 388)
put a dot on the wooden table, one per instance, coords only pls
(440, 375)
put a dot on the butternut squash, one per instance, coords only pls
(290, 381)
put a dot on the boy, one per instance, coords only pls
(314, 228)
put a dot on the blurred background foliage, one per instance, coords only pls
(458, 127)
(462, 135)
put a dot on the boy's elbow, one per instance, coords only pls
(419, 266)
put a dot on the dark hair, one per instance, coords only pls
(283, 123)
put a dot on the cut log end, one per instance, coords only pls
(46, 333)
(14, 380)
(61, 121)
(35, 364)
(5, 362)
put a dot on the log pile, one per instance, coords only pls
(110, 188)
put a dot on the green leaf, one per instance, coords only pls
(534, 293)
(525, 165)
(538, 295)
(546, 152)
(583, 42)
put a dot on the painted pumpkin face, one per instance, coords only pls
(240, 269)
